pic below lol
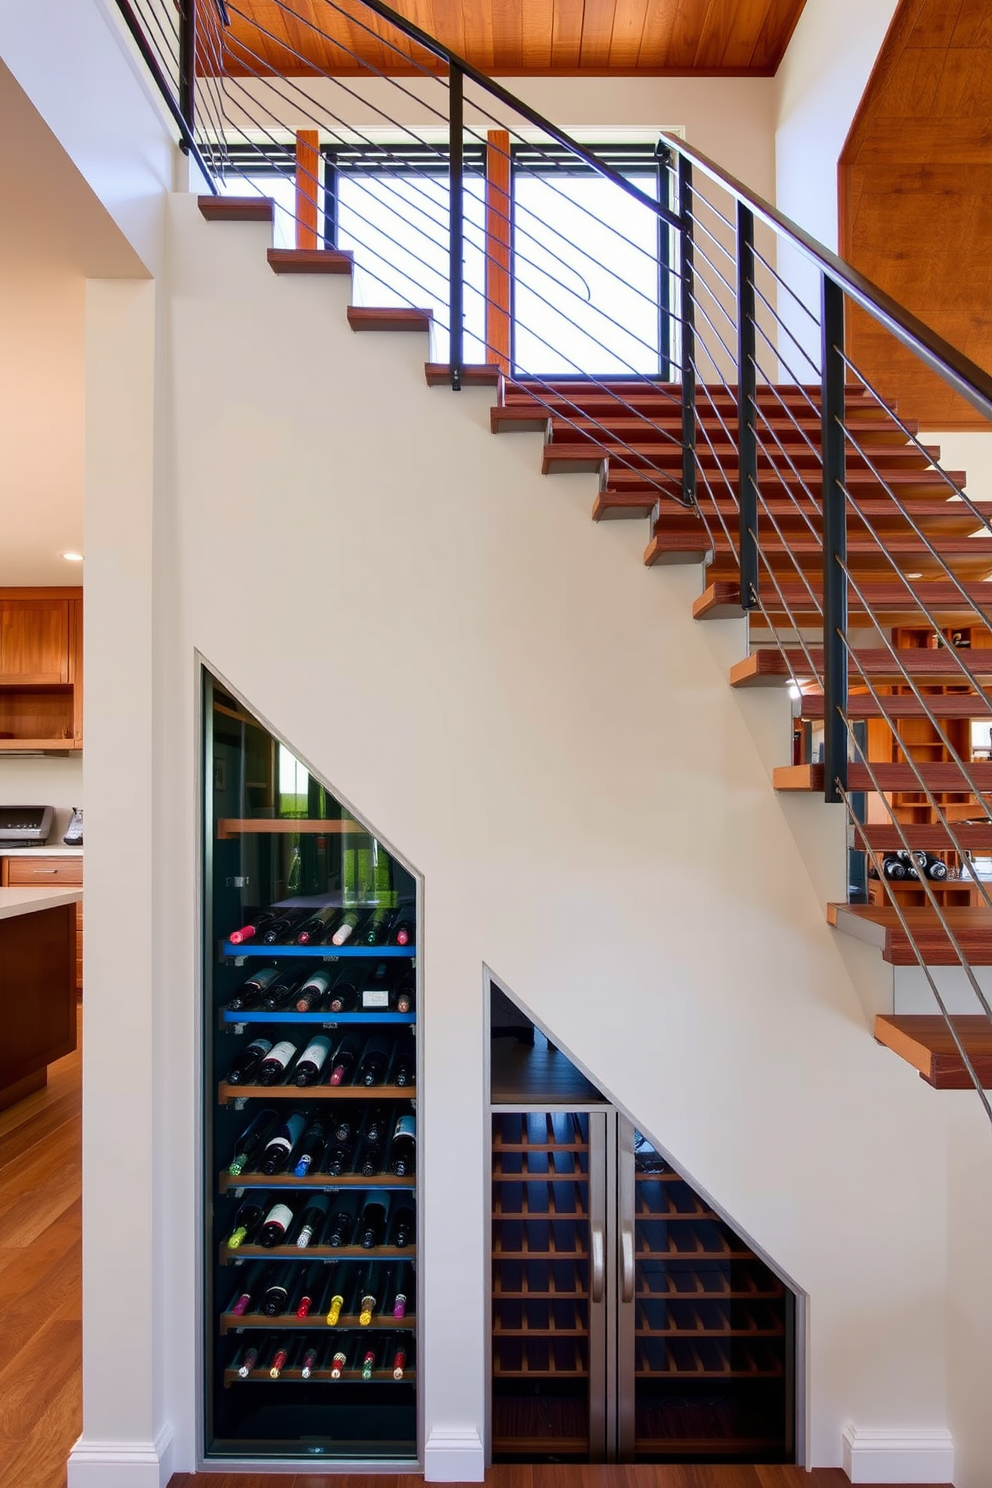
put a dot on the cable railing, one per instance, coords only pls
(653, 313)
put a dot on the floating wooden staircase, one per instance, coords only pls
(629, 433)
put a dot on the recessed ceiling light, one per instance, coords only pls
(73, 557)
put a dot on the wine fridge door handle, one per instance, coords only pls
(598, 1248)
(627, 1264)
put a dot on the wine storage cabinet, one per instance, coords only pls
(311, 1243)
(629, 1322)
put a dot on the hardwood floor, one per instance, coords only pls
(40, 1280)
(40, 1323)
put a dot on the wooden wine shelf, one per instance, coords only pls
(315, 1253)
(703, 1289)
(229, 1322)
(658, 1216)
(721, 1374)
(227, 1093)
(699, 1253)
(235, 826)
(501, 1332)
(548, 1174)
(320, 1376)
(319, 1180)
(728, 1332)
(536, 1255)
(533, 1216)
(710, 1362)
(499, 1294)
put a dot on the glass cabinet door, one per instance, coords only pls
(705, 1331)
(549, 1286)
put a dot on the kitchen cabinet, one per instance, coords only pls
(51, 871)
(41, 673)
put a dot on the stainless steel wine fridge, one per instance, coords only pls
(630, 1322)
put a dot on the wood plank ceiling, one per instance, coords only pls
(514, 38)
(916, 198)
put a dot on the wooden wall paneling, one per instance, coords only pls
(498, 248)
(915, 197)
(627, 33)
(307, 183)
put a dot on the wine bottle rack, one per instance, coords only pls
(299, 851)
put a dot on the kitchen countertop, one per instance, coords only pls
(27, 901)
(50, 851)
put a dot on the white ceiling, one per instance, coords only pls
(54, 233)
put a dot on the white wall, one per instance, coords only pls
(51, 781)
(556, 749)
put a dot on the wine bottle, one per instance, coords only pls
(280, 993)
(312, 1061)
(893, 867)
(340, 1159)
(314, 929)
(254, 1136)
(368, 1360)
(314, 1282)
(404, 1071)
(313, 1220)
(403, 927)
(342, 1221)
(403, 1227)
(336, 1302)
(276, 1296)
(338, 1362)
(395, 1355)
(277, 1224)
(276, 1063)
(247, 1219)
(375, 1217)
(311, 1148)
(344, 997)
(280, 931)
(246, 1360)
(313, 992)
(403, 1293)
(257, 924)
(375, 993)
(250, 993)
(251, 1286)
(308, 1362)
(403, 1148)
(280, 1357)
(935, 868)
(371, 1159)
(405, 996)
(375, 1058)
(248, 1062)
(344, 1059)
(368, 1296)
(377, 1122)
(377, 929)
(346, 1123)
(345, 930)
(278, 1149)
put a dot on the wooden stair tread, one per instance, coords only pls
(880, 925)
(903, 705)
(770, 667)
(474, 374)
(925, 1042)
(389, 318)
(883, 837)
(236, 208)
(309, 261)
(721, 600)
(906, 480)
(943, 776)
(964, 554)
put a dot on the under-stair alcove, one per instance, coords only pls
(629, 1321)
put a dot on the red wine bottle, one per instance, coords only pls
(335, 1299)
(280, 931)
(372, 1157)
(308, 1361)
(247, 1219)
(277, 1225)
(368, 1296)
(403, 1148)
(254, 1136)
(403, 1294)
(340, 1159)
(404, 1071)
(403, 1227)
(311, 1148)
(395, 1356)
(368, 1360)
(245, 1361)
(275, 1064)
(375, 1217)
(316, 926)
(375, 993)
(276, 1297)
(281, 993)
(343, 997)
(375, 1059)
(344, 1058)
(339, 1361)
(313, 1285)
(313, 1220)
(312, 1061)
(403, 929)
(346, 1123)
(280, 1356)
(275, 1158)
(252, 1286)
(405, 996)
(313, 992)
(258, 922)
(346, 928)
(249, 995)
(341, 1224)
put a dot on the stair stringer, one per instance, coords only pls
(537, 723)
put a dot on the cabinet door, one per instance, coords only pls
(34, 640)
(549, 1287)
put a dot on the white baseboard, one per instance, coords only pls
(451, 1457)
(121, 1464)
(900, 1456)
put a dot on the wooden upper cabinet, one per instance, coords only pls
(34, 641)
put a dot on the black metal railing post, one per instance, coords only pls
(832, 374)
(456, 225)
(747, 393)
(688, 310)
(187, 64)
